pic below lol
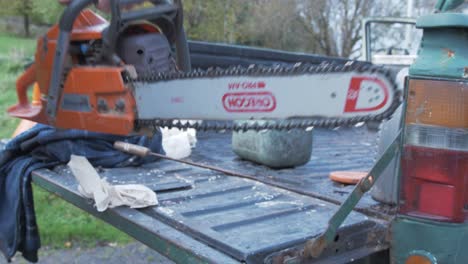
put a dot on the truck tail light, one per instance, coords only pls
(435, 155)
(420, 257)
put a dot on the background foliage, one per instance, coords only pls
(328, 27)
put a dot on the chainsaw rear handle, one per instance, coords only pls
(66, 25)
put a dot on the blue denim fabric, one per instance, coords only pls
(46, 147)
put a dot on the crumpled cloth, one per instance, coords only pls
(178, 143)
(46, 147)
(103, 193)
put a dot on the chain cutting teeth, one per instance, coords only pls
(259, 125)
(280, 70)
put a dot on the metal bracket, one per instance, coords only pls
(314, 247)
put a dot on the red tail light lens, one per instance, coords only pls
(435, 156)
(435, 183)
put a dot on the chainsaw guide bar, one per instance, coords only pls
(273, 97)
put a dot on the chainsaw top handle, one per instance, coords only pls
(71, 12)
(160, 8)
(120, 18)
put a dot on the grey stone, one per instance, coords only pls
(273, 148)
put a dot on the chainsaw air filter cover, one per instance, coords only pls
(149, 53)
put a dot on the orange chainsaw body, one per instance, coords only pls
(94, 98)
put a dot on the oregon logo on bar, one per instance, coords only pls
(249, 102)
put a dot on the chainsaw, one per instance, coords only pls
(134, 73)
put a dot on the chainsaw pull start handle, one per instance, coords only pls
(132, 149)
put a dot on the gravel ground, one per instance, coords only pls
(135, 253)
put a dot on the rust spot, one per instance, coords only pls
(450, 53)
(315, 247)
(292, 255)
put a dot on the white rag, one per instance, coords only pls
(106, 195)
(178, 143)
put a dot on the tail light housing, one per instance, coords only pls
(434, 183)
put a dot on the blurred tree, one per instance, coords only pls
(46, 11)
(24, 8)
(20, 7)
(32, 11)
(329, 27)
(335, 25)
(204, 19)
(214, 20)
(275, 24)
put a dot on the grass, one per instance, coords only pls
(13, 53)
(61, 224)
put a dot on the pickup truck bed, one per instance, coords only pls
(205, 216)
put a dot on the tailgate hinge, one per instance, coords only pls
(314, 247)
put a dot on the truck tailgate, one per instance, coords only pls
(251, 221)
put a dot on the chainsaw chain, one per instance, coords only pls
(277, 70)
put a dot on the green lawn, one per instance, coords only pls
(60, 224)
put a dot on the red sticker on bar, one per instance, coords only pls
(366, 94)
